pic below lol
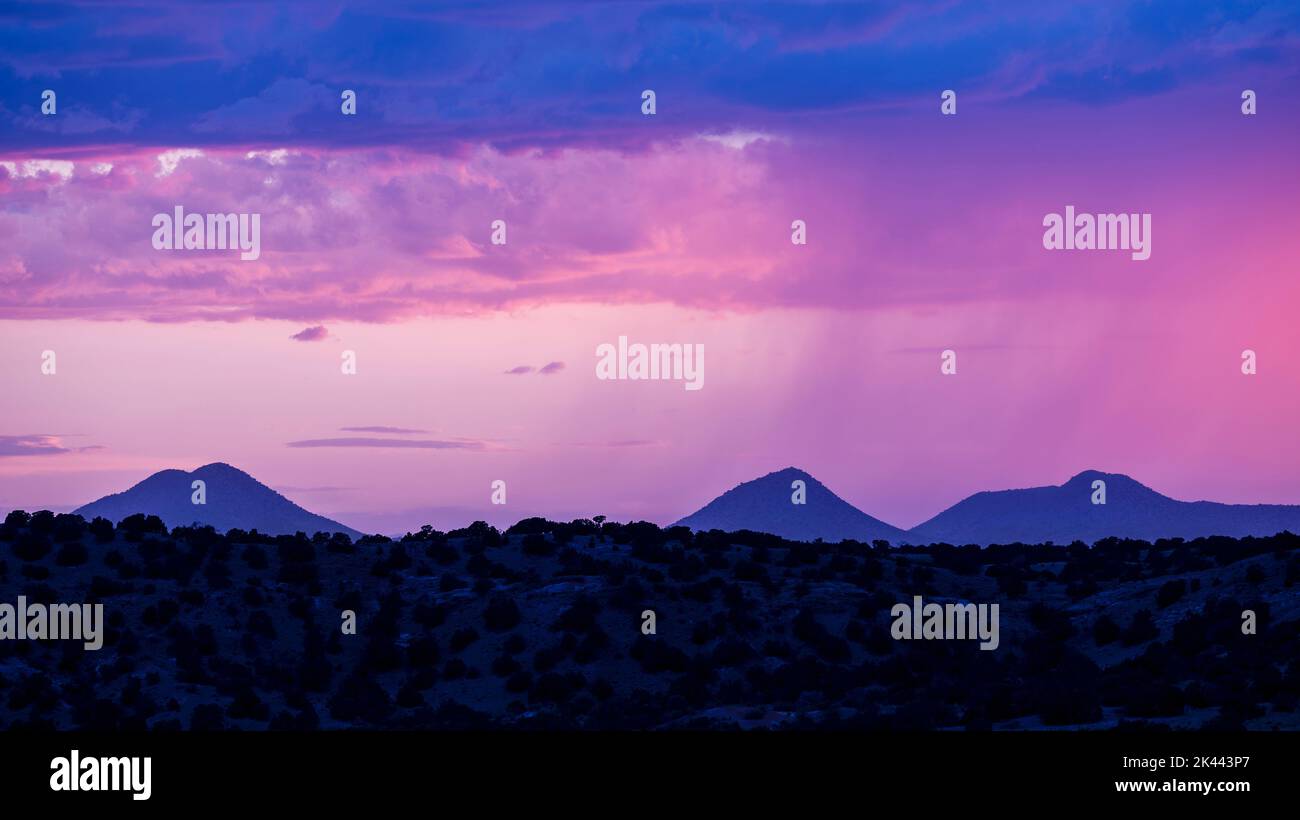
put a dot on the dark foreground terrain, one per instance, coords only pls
(541, 627)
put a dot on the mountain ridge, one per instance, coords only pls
(1061, 513)
(234, 500)
(1065, 513)
(765, 504)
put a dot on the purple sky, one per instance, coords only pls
(476, 362)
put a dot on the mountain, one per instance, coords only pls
(765, 505)
(1066, 513)
(234, 500)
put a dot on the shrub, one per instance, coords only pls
(463, 637)
(501, 614)
(1105, 630)
(32, 547)
(538, 545)
(1141, 630)
(254, 556)
(1171, 592)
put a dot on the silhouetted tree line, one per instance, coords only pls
(541, 626)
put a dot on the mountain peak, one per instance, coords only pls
(1075, 511)
(770, 504)
(1113, 480)
(1088, 476)
(790, 473)
(219, 467)
(231, 499)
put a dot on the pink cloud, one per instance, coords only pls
(311, 334)
(39, 444)
(396, 431)
(391, 443)
(382, 235)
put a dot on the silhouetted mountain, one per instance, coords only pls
(234, 500)
(1066, 513)
(765, 505)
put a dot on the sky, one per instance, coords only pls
(476, 362)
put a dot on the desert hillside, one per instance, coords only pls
(541, 626)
